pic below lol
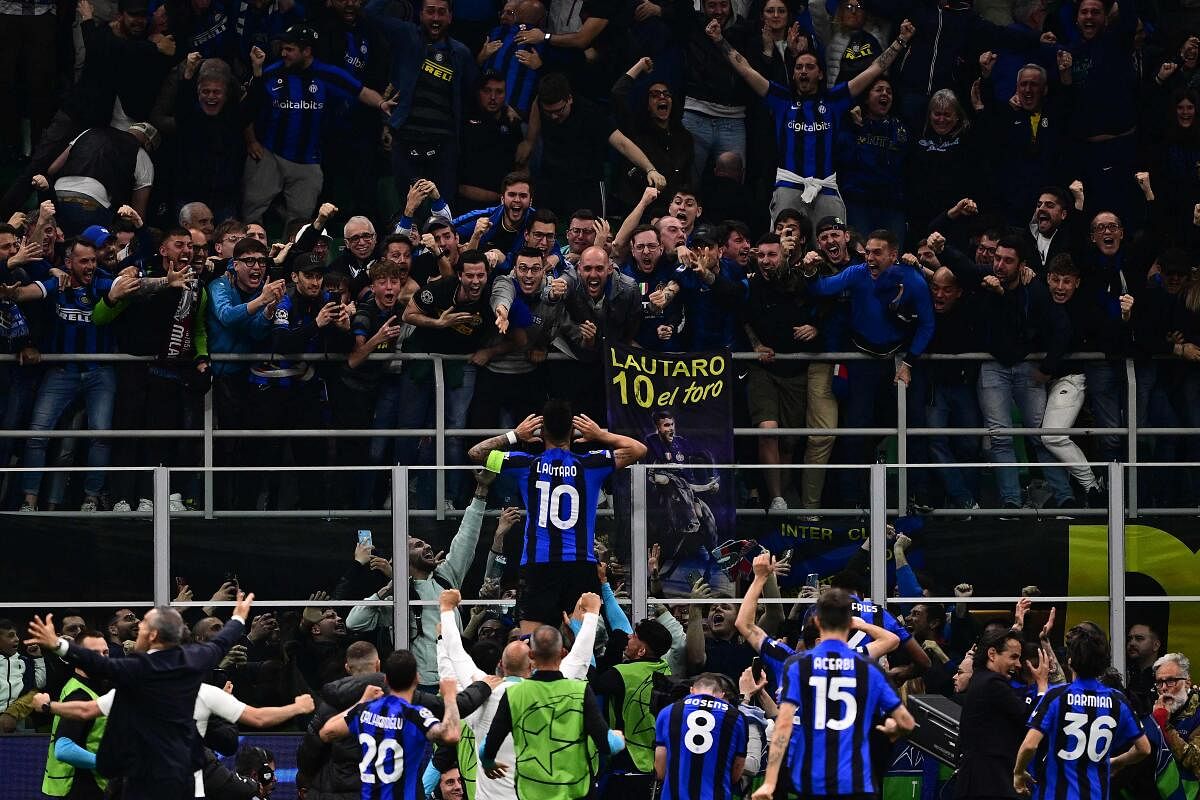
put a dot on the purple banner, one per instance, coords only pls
(680, 405)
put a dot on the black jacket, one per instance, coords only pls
(991, 729)
(709, 74)
(151, 736)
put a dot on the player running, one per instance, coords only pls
(837, 696)
(1076, 726)
(393, 733)
(560, 489)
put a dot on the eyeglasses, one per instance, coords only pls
(1167, 683)
(529, 269)
(853, 7)
(1107, 227)
(255, 262)
(660, 93)
(542, 235)
(231, 239)
(580, 231)
(982, 249)
(129, 618)
(360, 237)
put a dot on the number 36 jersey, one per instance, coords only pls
(1083, 723)
(391, 735)
(839, 697)
(560, 489)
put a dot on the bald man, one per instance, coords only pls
(516, 666)
(603, 304)
(950, 389)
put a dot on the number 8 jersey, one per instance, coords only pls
(560, 489)
(1082, 722)
(839, 697)
(391, 733)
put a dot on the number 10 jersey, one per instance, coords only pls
(560, 489)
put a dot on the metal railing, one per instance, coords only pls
(640, 598)
(209, 432)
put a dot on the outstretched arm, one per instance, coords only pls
(747, 612)
(740, 65)
(858, 84)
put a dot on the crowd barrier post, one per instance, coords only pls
(162, 536)
(1116, 565)
(439, 440)
(878, 520)
(400, 615)
(639, 576)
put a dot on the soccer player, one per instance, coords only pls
(560, 489)
(700, 742)
(839, 697)
(394, 733)
(1076, 726)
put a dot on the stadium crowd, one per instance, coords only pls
(878, 177)
(602, 706)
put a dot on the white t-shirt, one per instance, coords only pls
(210, 702)
(143, 176)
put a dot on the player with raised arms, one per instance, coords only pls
(561, 489)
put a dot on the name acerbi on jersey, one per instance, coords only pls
(832, 664)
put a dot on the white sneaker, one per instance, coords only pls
(121, 506)
(177, 503)
(145, 506)
(89, 504)
(28, 508)
(778, 504)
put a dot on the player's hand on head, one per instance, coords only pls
(527, 430)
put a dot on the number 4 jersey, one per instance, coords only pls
(839, 697)
(1082, 722)
(391, 735)
(560, 489)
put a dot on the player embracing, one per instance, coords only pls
(560, 489)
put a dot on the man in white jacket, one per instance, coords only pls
(453, 661)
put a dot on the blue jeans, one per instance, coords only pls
(1105, 396)
(417, 411)
(867, 217)
(59, 389)
(955, 405)
(712, 136)
(387, 415)
(1000, 389)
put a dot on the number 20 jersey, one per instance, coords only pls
(1083, 723)
(391, 734)
(560, 489)
(839, 697)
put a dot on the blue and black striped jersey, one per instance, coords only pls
(806, 130)
(560, 489)
(839, 697)
(1082, 723)
(703, 735)
(391, 735)
(293, 105)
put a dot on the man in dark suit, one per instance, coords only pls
(151, 740)
(992, 725)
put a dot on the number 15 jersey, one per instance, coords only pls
(839, 697)
(560, 489)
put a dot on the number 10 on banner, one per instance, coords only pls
(643, 391)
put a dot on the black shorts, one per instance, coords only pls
(545, 591)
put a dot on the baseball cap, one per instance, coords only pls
(149, 132)
(435, 222)
(831, 223)
(96, 235)
(301, 35)
(307, 262)
(133, 6)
